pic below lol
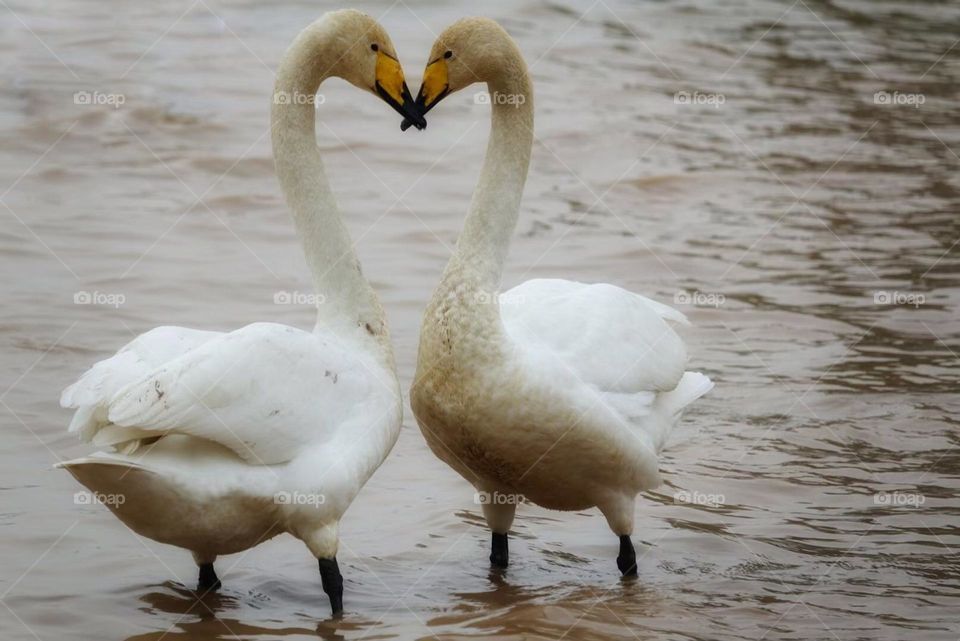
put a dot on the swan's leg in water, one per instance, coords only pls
(627, 559)
(207, 580)
(332, 582)
(619, 512)
(499, 552)
(322, 541)
(499, 517)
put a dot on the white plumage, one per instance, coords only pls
(265, 391)
(611, 338)
(236, 418)
(217, 441)
(562, 392)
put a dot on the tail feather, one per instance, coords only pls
(101, 381)
(86, 421)
(146, 501)
(114, 435)
(692, 386)
(98, 460)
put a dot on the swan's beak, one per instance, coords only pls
(391, 87)
(433, 89)
(406, 106)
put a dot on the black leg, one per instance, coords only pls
(627, 561)
(208, 579)
(332, 582)
(499, 556)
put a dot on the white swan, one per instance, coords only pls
(555, 390)
(224, 440)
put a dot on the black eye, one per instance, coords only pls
(375, 47)
(447, 54)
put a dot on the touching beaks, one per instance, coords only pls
(392, 88)
(434, 88)
(422, 107)
(406, 106)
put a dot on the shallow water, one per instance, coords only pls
(812, 227)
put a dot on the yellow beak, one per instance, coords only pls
(392, 88)
(433, 89)
(435, 84)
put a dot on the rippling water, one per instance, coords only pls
(732, 157)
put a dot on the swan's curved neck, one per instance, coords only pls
(347, 297)
(483, 244)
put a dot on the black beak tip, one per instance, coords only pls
(407, 123)
(408, 108)
(411, 109)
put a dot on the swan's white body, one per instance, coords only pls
(559, 391)
(266, 429)
(223, 440)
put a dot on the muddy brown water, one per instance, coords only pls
(733, 158)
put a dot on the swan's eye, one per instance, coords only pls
(448, 54)
(375, 47)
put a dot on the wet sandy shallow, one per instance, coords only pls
(786, 212)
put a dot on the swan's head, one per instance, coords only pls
(367, 59)
(470, 50)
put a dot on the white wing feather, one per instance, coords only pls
(265, 391)
(92, 393)
(612, 339)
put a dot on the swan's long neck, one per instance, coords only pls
(462, 330)
(485, 240)
(348, 298)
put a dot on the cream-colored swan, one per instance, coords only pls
(558, 391)
(224, 440)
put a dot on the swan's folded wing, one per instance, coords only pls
(264, 391)
(91, 394)
(610, 338)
